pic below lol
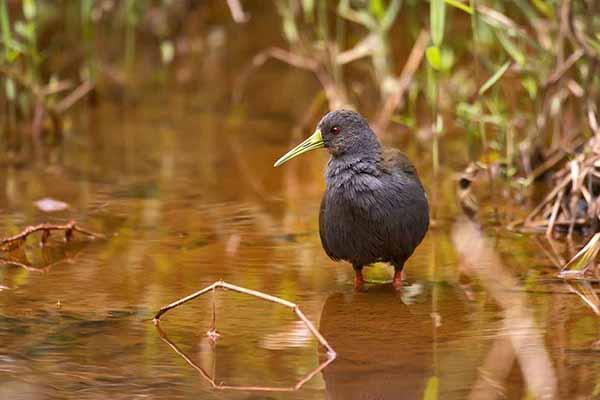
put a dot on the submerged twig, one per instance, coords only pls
(70, 227)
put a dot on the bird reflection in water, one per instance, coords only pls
(383, 354)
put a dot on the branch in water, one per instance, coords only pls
(15, 241)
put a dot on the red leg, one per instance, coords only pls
(398, 277)
(358, 279)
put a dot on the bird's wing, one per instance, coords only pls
(323, 229)
(396, 161)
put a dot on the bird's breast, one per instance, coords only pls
(365, 218)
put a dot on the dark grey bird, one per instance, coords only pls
(375, 208)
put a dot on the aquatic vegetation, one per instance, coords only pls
(40, 83)
(520, 86)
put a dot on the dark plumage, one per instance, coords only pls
(374, 208)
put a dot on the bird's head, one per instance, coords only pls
(341, 132)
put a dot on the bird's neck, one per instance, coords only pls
(344, 170)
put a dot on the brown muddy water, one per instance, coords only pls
(182, 184)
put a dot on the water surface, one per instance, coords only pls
(181, 182)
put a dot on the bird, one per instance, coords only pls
(374, 208)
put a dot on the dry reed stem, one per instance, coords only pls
(395, 99)
(336, 95)
(77, 94)
(237, 11)
(255, 293)
(562, 207)
(563, 68)
(554, 214)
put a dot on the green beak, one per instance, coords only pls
(315, 141)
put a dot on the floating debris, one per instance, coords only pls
(50, 205)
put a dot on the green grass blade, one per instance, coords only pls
(391, 14)
(437, 17)
(494, 78)
(5, 26)
(460, 6)
(511, 48)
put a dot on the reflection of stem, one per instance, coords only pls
(584, 290)
(41, 269)
(480, 259)
(215, 385)
(494, 371)
(212, 332)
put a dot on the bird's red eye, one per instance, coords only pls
(335, 130)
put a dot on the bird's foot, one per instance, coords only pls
(398, 279)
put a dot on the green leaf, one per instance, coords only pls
(308, 7)
(391, 14)
(16, 46)
(290, 30)
(434, 57)
(377, 8)
(439, 125)
(167, 51)
(437, 16)
(448, 59)
(460, 6)
(494, 78)
(5, 25)
(531, 86)
(29, 9)
(544, 8)
(25, 29)
(86, 9)
(583, 258)
(10, 89)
